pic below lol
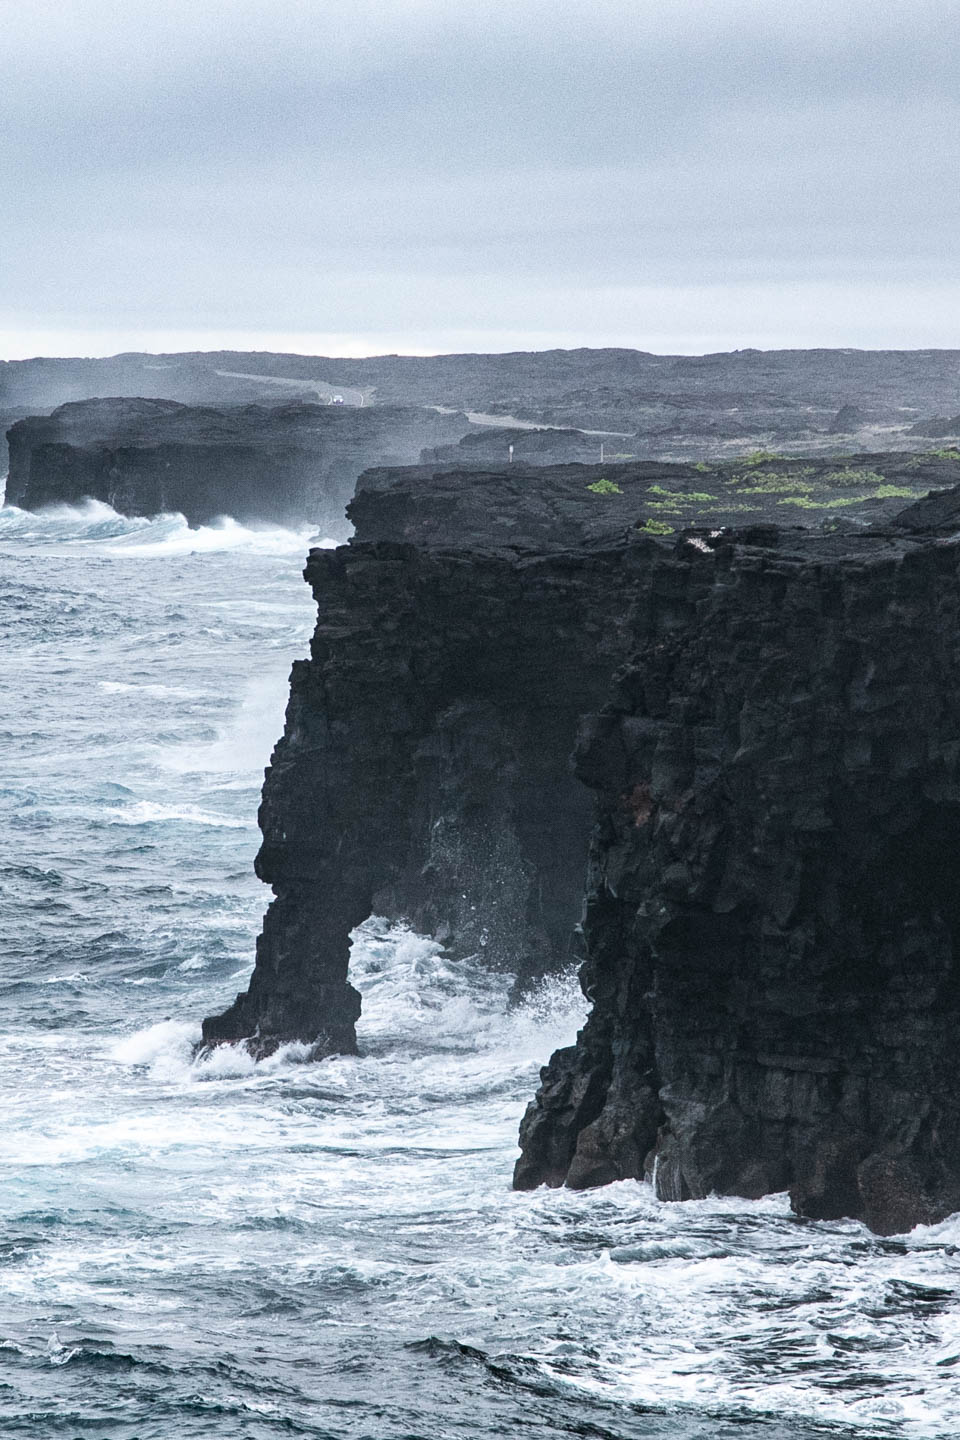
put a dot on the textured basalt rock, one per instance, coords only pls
(772, 912)
(773, 909)
(286, 464)
(424, 769)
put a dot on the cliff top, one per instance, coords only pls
(566, 506)
(137, 422)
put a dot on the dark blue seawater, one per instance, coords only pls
(191, 1250)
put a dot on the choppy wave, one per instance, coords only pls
(153, 812)
(93, 524)
(196, 1246)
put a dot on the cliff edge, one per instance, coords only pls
(285, 464)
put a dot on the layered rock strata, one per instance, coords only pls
(773, 909)
(286, 464)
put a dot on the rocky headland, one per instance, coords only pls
(766, 719)
(771, 917)
(284, 463)
(666, 407)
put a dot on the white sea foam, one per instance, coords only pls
(246, 741)
(93, 524)
(153, 812)
(222, 534)
(412, 989)
(169, 1044)
(160, 692)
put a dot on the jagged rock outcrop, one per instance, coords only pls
(772, 912)
(287, 464)
(424, 768)
(773, 908)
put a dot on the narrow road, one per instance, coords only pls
(324, 390)
(510, 422)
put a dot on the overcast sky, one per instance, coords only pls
(359, 176)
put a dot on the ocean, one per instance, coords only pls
(195, 1246)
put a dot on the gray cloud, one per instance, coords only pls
(741, 171)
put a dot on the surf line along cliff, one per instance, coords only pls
(772, 912)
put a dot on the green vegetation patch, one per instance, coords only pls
(805, 503)
(894, 492)
(759, 457)
(605, 487)
(950, 452)
(852, 476)
(655, 527)
(773, 482)
(694, 496)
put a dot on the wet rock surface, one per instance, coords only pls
(286, 464)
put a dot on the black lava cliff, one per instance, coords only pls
(773, 909)
(424, 768)
(772, 913)
(286, 464)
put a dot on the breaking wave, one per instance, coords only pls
(196, 1246)
(95, 525)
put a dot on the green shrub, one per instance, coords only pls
(605, 487)
(772, 482)
(699, 496)
(655, 527)
(852, 476)
(759, 457)
(805, 503)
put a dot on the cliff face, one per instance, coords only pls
(773, 910)
(424, 768)
(287, 464)
(772, 914)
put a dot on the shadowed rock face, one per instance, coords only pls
(287, 464)
(773, 913)
(424, 768)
